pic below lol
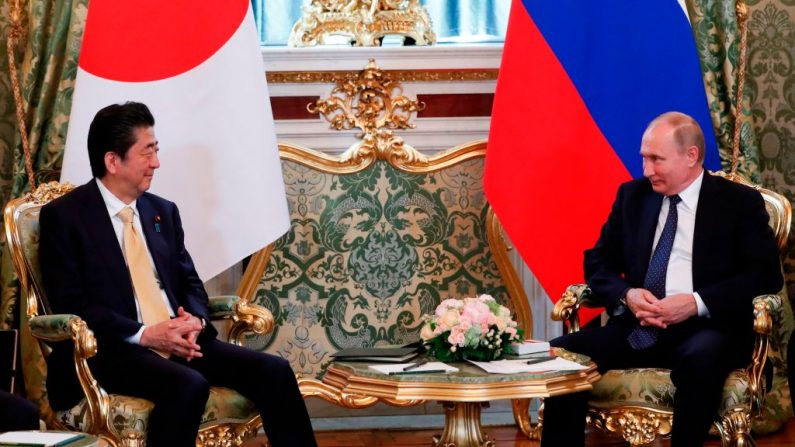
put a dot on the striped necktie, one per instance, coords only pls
(643, 337)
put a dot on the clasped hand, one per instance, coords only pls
(660, 313)
(176, 336)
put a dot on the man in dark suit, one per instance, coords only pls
(114, 254)
(17, 413)
(677, 265)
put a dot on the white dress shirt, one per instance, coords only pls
(114, 205)
(679, 277)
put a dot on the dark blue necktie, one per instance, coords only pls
(643, 337)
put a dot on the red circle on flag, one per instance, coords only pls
(149, 40)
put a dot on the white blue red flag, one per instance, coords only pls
(578, 84)
(198, 67)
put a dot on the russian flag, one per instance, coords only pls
(578, 84)
(198, 66)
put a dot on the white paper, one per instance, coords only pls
(398, 367)
(521, 366)
(37, 437)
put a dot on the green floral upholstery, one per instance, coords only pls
(224, 405)
(28, 222)
(645, 387)
(222, 306)
(368, 253)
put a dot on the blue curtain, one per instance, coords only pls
(454, 21)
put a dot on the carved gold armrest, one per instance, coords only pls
(248, 317)
(765, 307)
(60, 327)
(568, 306)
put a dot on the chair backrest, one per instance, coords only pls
(777, 405)
(374, 243)
(21, 220)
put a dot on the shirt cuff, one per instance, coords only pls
(135, 339)
(702, 308)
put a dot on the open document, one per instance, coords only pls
(521, 366)
(410, 368)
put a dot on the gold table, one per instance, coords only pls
(462, 394)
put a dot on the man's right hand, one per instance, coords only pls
(171, 336)
(646, 307)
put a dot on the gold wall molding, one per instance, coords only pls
(363, 22)
(318, 77)
(374, 103)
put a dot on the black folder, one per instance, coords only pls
(395, 355)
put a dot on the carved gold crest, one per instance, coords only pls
(363, 22)
(375, 104)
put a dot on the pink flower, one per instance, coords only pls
(456, 337)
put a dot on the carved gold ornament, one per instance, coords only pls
(374, 103)
(363, 22)
(638, 426)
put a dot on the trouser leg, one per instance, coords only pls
(268, 381)
(179, 393)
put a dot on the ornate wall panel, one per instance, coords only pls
(771, 72)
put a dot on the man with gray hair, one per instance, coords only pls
(677, 265)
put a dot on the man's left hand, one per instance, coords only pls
(677, 308)
(193, 335)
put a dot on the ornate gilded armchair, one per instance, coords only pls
(228, 419)
(378, 237)
(638, 403)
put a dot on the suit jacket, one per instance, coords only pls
(83, 267)
(735, 257)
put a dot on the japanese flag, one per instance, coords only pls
(198, 67)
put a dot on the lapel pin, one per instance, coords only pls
(157, 223)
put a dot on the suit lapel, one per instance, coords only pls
(96, 219)
(650, 213)
(706, 215)
(155, 241)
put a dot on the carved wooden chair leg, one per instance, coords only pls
(132, 438)
(735, 429)
(521, 414)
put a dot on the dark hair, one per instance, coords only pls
(113, 130)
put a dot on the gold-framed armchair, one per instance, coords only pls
(638, 403)
(229, 418)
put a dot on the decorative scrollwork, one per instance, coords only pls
(249, 317)
(763, 325)
(638, 426)
(735, 428)
(375, 104)
(49, 191)
(363, 22)
(132, 438)
(568, 306)
(228, 435)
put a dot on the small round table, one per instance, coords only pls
(463, 393)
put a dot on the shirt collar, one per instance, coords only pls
(113, 203)
(690, 194)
